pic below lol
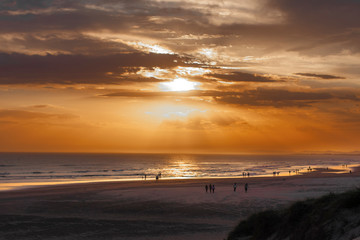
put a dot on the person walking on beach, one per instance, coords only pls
(213, 188)
(246, 187)
(234, 186)
(210, 187)
(206, 188)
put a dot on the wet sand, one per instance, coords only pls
(164, 209)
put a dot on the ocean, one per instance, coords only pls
(29, 169)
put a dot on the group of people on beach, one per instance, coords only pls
(156, 177)
(296, 171)
(211, 188)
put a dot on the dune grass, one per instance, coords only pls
(333, 216)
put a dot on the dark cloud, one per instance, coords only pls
(257, 97)
(64, 22)
(69, 69)
(26, 4)
(70, 44)
(142, 94)
(100, 15)
(240, 77)
(275, 97)
(321, 76)
(323, 27)
(74, 30)
(321, 15)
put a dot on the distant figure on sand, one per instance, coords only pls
(206, 188)
(234, 186)
(246, 187)
(210, 188)
(213, 188)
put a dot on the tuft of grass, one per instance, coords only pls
(259, 225)
(350, 199)
(309, 219)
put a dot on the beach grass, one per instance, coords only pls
(333, 216)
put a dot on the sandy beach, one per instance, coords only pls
(164, 209)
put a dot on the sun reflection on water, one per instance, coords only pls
(181, 169)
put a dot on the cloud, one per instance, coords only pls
(233, 31)
(71, 69)
(24, 115)
(60, 43)
(271, 24)
(274, 97)
(324, 27)
(149, 94)
(204, 123)
(42, 106)
(240, 77)
(258, 97)
(321, 76)
(194, 123)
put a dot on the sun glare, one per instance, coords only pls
(179, 85)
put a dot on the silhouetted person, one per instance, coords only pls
(206, 188)
(213, 188)
(145, 176)
(248, 174)
(234, 186)
(210, 187)
(157, 177)
(246, 187)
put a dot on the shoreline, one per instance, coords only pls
(166, 182)
(334, 170)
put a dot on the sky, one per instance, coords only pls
(196, 76)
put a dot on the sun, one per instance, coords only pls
(179, 85)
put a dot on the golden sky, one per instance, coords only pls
(251, 76)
